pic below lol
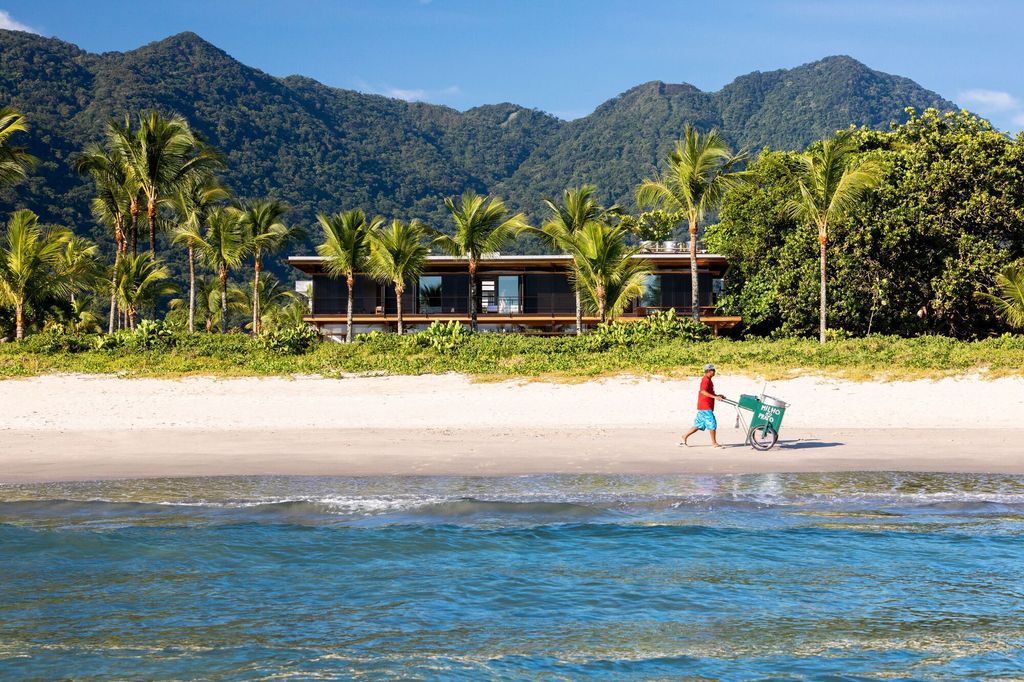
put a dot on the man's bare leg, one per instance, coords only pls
(688, 434)
(714, 438)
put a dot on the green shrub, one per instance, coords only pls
(56, 340)
(291, 340)
(655, 328)
(445, 337)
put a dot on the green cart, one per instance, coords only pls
(765, 419)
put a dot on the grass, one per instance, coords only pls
(495, 357)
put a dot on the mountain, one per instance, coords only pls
(325, 149)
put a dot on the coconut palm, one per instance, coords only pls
(192, 203)
(112, 205)
(345, 248)
(829, 183)
(161, 154)
(31, 264)
(398, 254)
(266, 233)
(606, 270)
(79, 265)
(482, 225)
(221, 246)
(14, 161)
(1008, 295)
(274, 296)
(579, 206)
(141, 280)
(700, 170)
(208, 312)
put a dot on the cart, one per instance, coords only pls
(765, 419)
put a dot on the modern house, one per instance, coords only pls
(514, 293)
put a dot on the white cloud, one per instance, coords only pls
(11, 24)
(1018, 119)
(989, 101)
(410, 94)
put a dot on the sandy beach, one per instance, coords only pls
(95, 427)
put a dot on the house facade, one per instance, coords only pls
(531, 294)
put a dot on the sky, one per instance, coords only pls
(568, 56)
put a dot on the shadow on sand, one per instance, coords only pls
(805, 444)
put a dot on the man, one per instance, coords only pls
(705, 419)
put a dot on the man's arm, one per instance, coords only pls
(709, 394)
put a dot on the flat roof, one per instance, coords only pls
(528, 257)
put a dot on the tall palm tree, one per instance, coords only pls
(31, 264)
(208, 312)
(830, 182)
(579, 206)
(398, 254)
(482, 225)
(267, 233)
(222, 247)
(14, 161)
(273, 296)
(605, 268)
(1008, 295)
(141, 280)
(700, 170)
(192, 203)
(345, 249)
(112, 204)
(161, 155)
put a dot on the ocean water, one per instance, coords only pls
(842, 576)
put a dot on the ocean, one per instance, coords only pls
(801, 576)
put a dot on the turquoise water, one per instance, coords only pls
(557, 577)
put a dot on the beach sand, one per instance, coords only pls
(95, 427)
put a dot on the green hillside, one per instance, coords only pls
(322, 148)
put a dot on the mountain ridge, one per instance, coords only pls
(322, 148)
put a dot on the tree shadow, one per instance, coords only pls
(806, 444)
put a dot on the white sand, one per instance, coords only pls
(95, 426)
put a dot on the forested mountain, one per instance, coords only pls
(324, 149)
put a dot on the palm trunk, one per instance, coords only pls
(223, 299)
(151, 214)
(579, 314)
(472, 295)
(192, 290)
(399, 290)
(19, 320)
(113, 290)
(348, 315)
(256, 324)
(135, 227)
(600, 302)
(694, 283)
(822, 239)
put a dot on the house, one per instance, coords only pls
(528, 293)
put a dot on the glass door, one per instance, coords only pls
(508, 294)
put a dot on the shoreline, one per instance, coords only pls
(43, 456)
(83, 427)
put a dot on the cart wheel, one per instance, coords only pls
(763, 437)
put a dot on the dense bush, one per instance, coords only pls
(291, 340)
(655, 328)
(444, 337)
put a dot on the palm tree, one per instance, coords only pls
(208, 312)
(701, 169)
(605, 268)
(273, 296)
(266, 233)
(578, 207)
(398, 254)
(345, 249)
(141, 280)
(14, 161)
(112, 204)
(161, 155)
(193, 202)
(222, 247)
(481, 226)
(829, 185)
(79, 265)
(1008, 298)
(31, 264)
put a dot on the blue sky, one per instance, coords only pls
(568, 56)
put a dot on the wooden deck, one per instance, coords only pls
(716, 322)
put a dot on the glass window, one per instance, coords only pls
(652, 291)
(488, 296)
(430, 294)
(508, 294)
